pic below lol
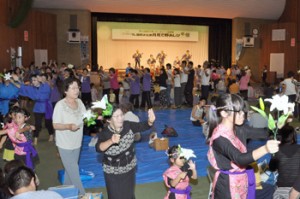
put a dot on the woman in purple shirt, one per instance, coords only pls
(85, 80)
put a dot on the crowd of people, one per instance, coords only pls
(62, 94)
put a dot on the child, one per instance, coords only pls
(198, 113)
(112, 96)
(22, 140)
(8, 153)
(227, 150)
(121, 93)
(94, 93)
(177, 177)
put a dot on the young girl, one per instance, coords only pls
(22, 140)
(177, 177)
(198, 113)
(8, 152)
(227, 150)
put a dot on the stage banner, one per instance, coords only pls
(163, 35)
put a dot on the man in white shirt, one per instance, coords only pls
(289, 87)
(183, 79)
(205, 80)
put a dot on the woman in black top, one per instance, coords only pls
(287, 161)
(116, 142)
(162, 80)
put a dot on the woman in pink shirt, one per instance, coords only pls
(244, 81)
(114, 84)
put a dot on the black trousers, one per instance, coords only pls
(188, 93)
(134, 99)
(116, 92)
(146, 99)
(38, 117)
(86, 98)
(120, 186)
(205, 91)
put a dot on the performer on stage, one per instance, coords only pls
(176, 62)
(161, 57)
(137, 58)
(187, 56)
(151, 62)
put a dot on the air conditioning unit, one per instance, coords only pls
(248, 41)
(73, 37)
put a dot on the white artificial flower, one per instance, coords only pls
(88, 114)
(100, 104)
(187, 153)
(281, 103)
(291, 107)
(7, 76)
(71, 66)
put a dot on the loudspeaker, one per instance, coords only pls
(73, 37)
(73, 33)
(248, 41)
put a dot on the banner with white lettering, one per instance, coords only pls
(163, 35)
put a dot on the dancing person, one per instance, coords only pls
(114, 83)
(176, 62)
(135, 89)
(39, 92)
(20, 133)
(205, 75)
(177, 177)
(86, 95)
(228, 154)
(137, 58)
(146, 97)
(116, 142)
(186, 57)
(188, 91)
(8, 91)
(183, 79)
(151, 62)
(244, 82)
(68, 125)
(161, 58)
(162, 80)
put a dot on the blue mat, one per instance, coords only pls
(151, 163)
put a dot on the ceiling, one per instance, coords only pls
(261, 9)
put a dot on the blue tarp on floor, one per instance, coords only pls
(152, 164)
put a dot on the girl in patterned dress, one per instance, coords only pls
(177, 177)
(227, 154)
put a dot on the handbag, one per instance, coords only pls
(169, 131)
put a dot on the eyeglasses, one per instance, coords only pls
(75, 88)
(237, 111)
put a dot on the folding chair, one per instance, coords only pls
(210, 174)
